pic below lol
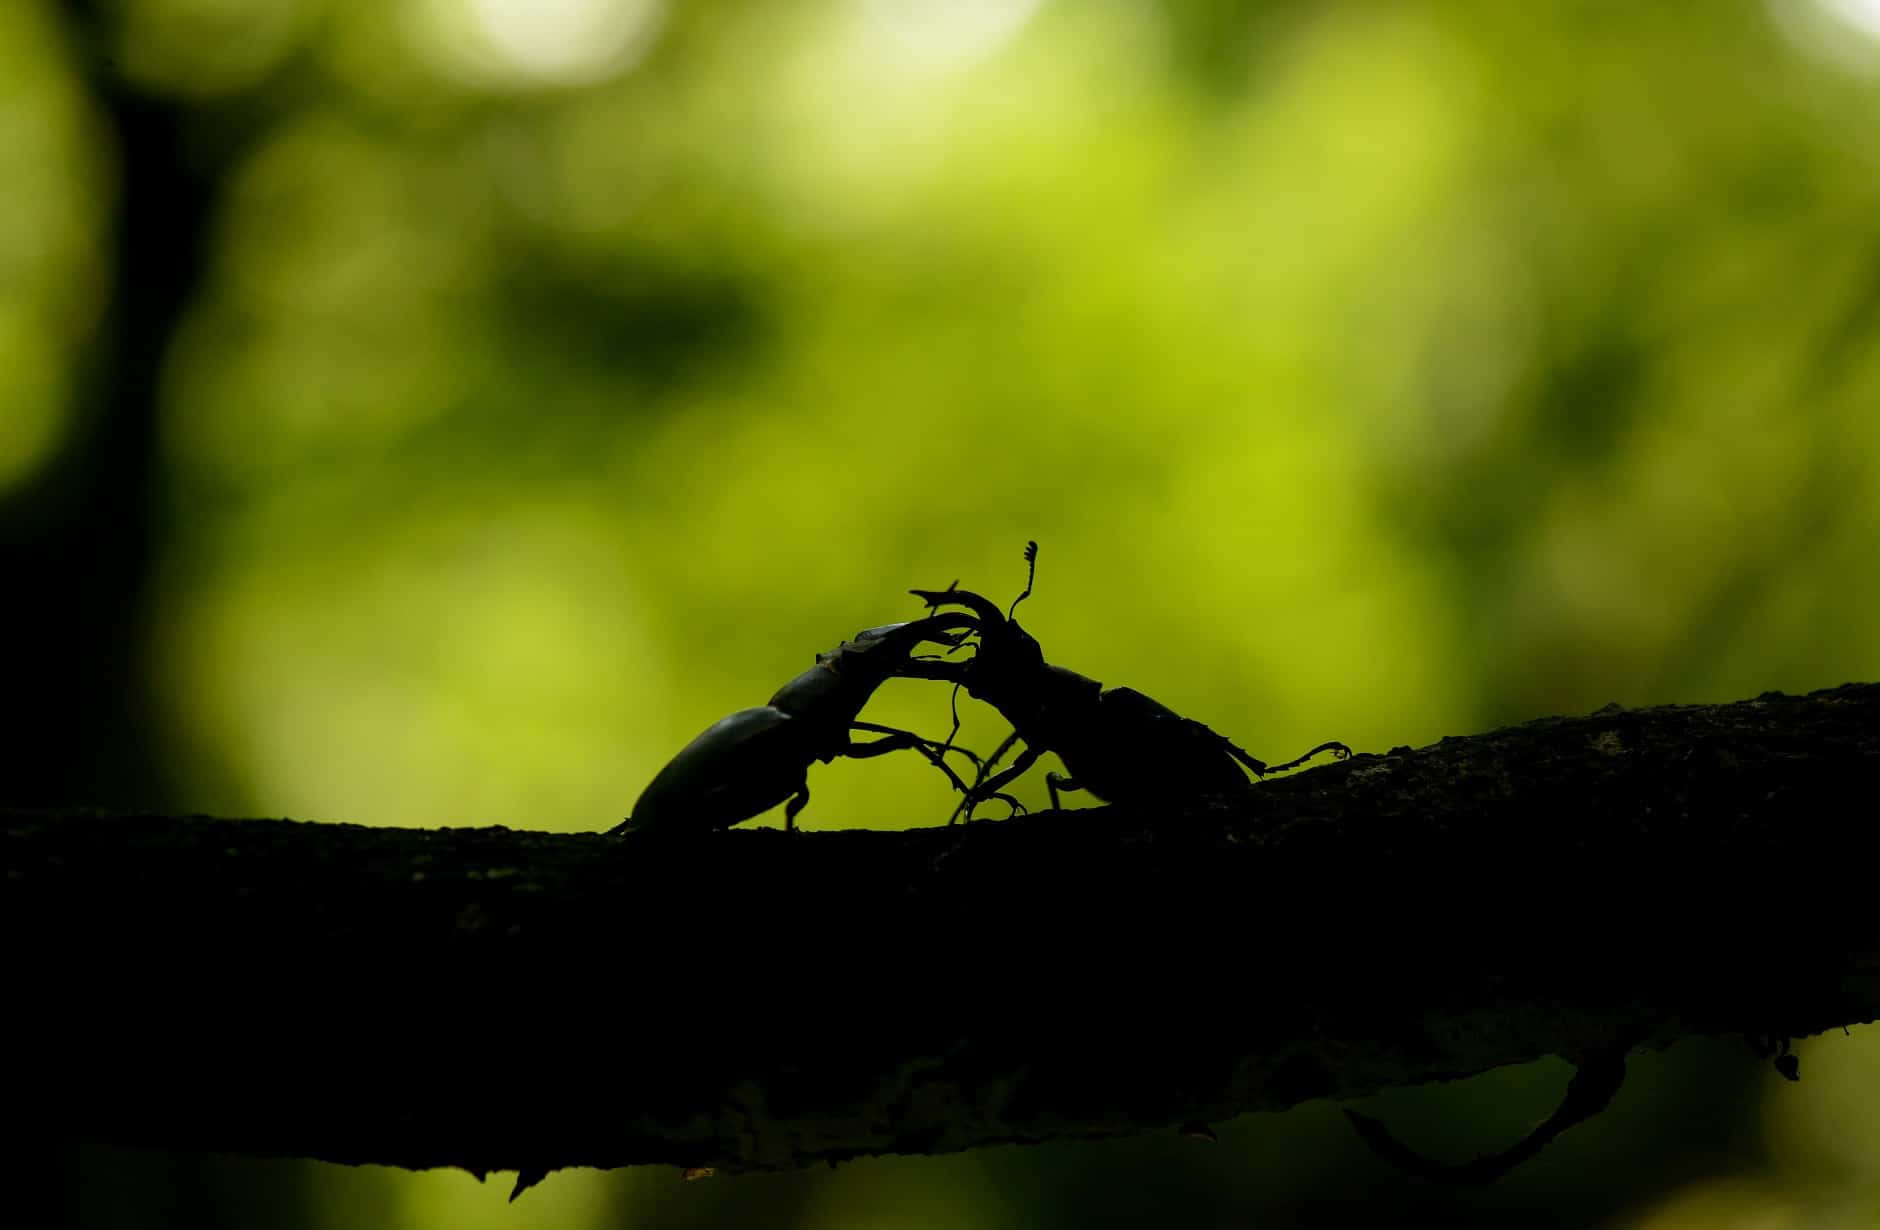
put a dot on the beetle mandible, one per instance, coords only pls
(754, 759)
(1118, 744)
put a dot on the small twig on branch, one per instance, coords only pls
(494, 999)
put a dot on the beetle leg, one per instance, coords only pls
(1026, 759)
(989, 789)
(974, 796)
(1018, 808)
(1055, 782)
(897, 740)
(926, 744)
(953, 702)
(998, 754)
(798, 802)
(1338, 750)
(1260, 767)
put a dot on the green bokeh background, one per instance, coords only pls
(558, 377)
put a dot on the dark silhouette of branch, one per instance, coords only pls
(495, 999)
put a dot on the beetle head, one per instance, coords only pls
(1006, 651)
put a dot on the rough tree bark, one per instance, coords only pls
(495, 999)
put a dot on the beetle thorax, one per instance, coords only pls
(1015, 679)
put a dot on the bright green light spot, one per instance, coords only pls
(55, 193)
(535, 42)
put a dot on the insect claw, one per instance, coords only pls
(1018, 808)
(1338, 750)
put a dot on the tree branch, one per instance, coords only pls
(749, 999)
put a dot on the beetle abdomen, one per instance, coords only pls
(1134, 748)
(738, 767)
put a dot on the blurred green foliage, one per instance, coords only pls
(567, 374)
(53, 163)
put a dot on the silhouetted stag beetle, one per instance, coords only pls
(1117, 743)
(751, 761)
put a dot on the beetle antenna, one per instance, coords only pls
(1031, 573)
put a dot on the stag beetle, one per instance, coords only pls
(754, 759)
(1117, 743)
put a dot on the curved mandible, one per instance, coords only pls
(987, 610)
(900, 640)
